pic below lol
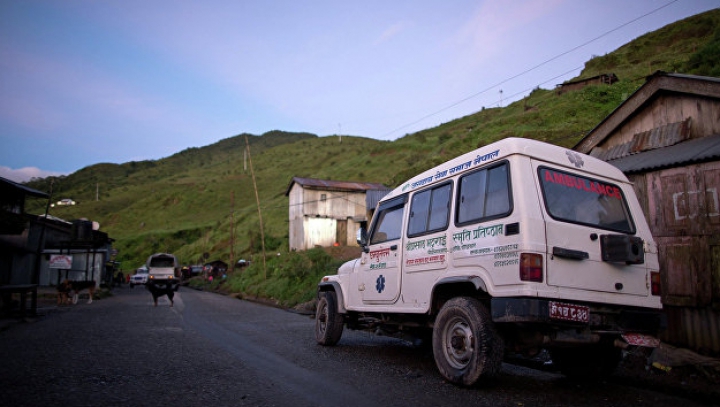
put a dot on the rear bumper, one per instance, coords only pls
(173, 284)
(601, 317)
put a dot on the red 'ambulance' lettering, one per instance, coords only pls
(582, 183)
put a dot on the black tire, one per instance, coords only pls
(587, 362)
(328, 321)
(466, 345)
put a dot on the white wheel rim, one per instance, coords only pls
(458, 343)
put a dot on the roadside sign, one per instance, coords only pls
(60, 261)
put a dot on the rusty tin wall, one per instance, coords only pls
(683, 210)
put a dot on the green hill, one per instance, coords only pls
(188, 203)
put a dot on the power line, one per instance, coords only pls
(529, 69)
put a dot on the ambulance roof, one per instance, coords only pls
(504, 148)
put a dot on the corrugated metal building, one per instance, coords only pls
(326, 212)
(666, 138)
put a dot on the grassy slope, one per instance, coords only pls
(183, 203)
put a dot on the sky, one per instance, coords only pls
(84, 82)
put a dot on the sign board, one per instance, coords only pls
(60, 261)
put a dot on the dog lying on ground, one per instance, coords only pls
(68, 291)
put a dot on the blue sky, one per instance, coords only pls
(85, 82)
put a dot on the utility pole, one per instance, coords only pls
(257, 199)
(232, 230)
(35, 278)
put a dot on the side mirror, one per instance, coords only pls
(361, 237)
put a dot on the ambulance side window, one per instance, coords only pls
(430, 210)
(484, 195)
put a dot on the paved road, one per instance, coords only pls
(213, 350)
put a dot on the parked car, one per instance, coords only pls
(64, 202)
(191, 271)
(517, 246)
(140, 277)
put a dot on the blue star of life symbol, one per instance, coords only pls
(380, 284)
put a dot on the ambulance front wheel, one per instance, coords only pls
(328, 321)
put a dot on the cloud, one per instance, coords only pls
(391, 32)
(26, 173)
(495, 25)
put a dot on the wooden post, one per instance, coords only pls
(232, 231)
(257, 199)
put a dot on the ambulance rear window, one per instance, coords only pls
(578, 199)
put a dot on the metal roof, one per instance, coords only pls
(20, 187)
(691, 151)
(659, 137)
(331, 185)
(656, 84)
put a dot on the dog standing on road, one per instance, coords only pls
(68, 287)
(158, 290)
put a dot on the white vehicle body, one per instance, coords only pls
(164, 270)
(140, 277)
(550, 243)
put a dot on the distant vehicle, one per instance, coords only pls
(163, 271)
(191, 271)
(65, 202)
(140, 277)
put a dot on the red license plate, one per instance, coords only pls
(641, 340)
(569, 312)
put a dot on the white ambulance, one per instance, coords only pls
(517, 246)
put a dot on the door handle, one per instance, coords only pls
(570, 253)
(393, 247)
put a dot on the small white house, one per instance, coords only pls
(326, 213)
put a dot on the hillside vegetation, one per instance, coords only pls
(202, 201)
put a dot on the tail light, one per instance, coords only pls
(655, 285)
(531, 267)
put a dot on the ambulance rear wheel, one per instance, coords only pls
(466, 345)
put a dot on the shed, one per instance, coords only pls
(602, 79)
(20, 240)
(666, 138)
(327, 212)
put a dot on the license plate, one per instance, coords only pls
(569, 312)
(641, 340)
